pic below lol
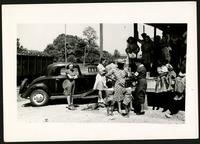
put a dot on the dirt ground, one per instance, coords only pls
(56, 111)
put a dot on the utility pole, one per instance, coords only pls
(135, 27)
(65, 46)
(101, 40)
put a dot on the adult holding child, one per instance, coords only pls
(132, 52)
(120, 75)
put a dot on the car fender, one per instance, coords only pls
(33, 87)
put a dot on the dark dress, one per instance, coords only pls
(141, 86)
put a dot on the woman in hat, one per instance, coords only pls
(69, 85)
(120, 76)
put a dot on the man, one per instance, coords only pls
(141, 86)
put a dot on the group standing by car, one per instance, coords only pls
(122, 77)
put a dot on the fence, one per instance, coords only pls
(31, 66)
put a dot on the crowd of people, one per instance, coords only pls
(164, 58)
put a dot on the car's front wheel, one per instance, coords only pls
(39, 97)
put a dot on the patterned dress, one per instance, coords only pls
(119, 88)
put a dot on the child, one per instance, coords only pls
(100, 82)
(170, 77)
(109, 101)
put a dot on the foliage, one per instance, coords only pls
(91, 35)
(75, 48)
(107, 56)
(23, 51)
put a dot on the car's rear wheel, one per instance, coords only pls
(39, 97)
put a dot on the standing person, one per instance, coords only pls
(69, 85)
(132, 51)
(146, 48)
(141, 86)
(165, 50)
(100, 83)
(119, 89)
(156, 55)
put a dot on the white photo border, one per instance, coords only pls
(148, 12)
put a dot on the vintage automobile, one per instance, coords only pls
(49, 86)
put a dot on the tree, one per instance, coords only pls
(107, 56)
(74, 46)
(91, 36)
(90, 33)
(116, 54)
(20, 48)
(75, 49)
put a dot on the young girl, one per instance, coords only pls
(164, 79)
(170, 77)
(100, 83)
(161, 83)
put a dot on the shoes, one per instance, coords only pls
(71, 107)
(140, 113)
(168, 115)
(126, 115)
(100, 104)
(177, 98)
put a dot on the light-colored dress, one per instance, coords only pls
(100, 82)
(180, 83)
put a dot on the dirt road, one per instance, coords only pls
(56, 111)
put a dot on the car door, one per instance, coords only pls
(58, 84)
(84, 84)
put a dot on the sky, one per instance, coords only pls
(38, 36)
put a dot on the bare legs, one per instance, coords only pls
(100, 98)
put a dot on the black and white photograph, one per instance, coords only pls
(100, 71)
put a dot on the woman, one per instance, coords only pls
(100, 83)
(119, 89)
(69, 85)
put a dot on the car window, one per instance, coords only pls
(63, 71)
